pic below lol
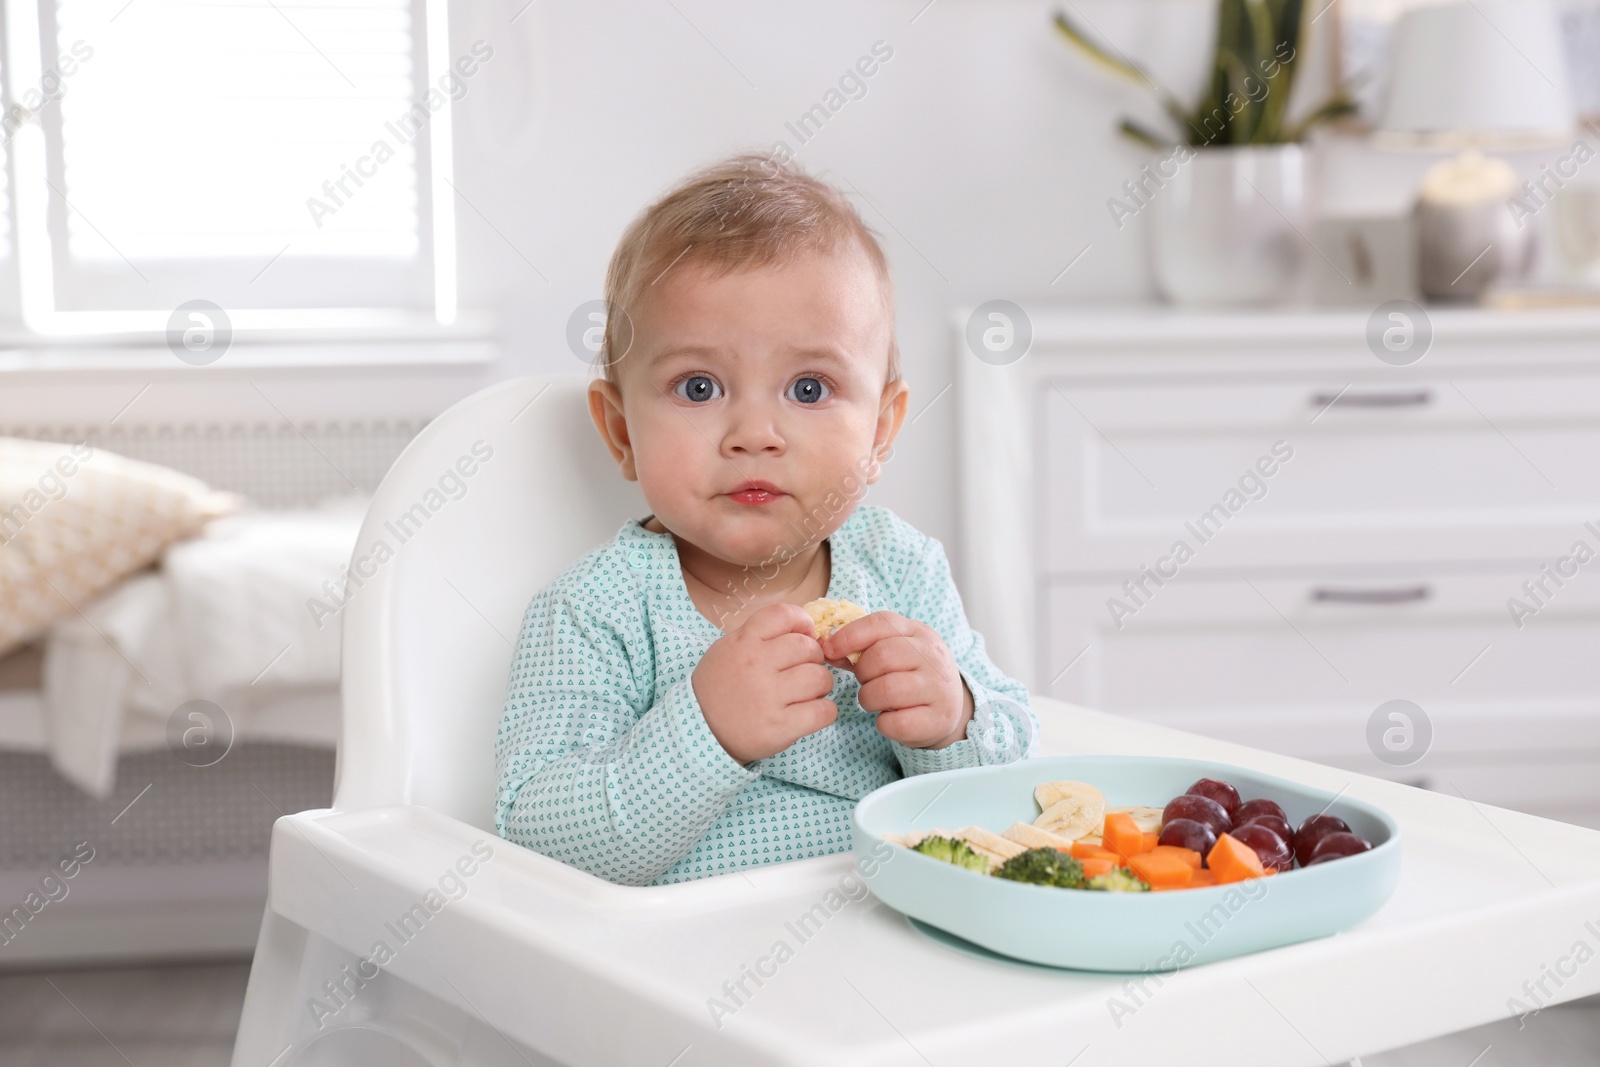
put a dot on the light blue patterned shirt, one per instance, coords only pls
(606, 762)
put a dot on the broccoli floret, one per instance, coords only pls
(1120, 880)
(950, 850)
(1043, 866)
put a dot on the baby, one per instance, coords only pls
(671, 713)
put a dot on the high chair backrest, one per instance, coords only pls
(491, 501)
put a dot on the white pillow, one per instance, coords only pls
(74, 521)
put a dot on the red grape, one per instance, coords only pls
(1221, 792)
(1339, 844)
(1251, 810)
(1271, 822)
(1275, 854)
(1186, 833)
(1200, 809)
(1313, 830)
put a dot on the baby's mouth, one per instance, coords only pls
(755, 493)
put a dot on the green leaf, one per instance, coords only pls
(1099, 56)
(1240, 122)
(1287, 15)
(1120, 67)
(1253, 39)
(1136, 132)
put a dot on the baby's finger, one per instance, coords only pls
(909, 726)
(860, 635)
(898, 689)
(812, 715)
(891, 654)
(792, 649)
(777, 619)
(807, 681)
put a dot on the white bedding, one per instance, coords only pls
(227, 619)
(241, 596)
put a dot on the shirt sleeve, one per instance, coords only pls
(1004, 728)
(594, 770)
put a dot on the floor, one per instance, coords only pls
(145, 1016)
(184, 1016)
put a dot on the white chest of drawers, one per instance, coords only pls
(1324, 532)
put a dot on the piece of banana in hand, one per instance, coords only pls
(1071, 809)
(829, 615)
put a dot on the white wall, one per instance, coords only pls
(983, 152)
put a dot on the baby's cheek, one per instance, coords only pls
(668, 464)
(842, 462)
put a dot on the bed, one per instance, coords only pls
(162, 727)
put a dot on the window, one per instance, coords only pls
(8, 274)
(284, 159)
(5, 183)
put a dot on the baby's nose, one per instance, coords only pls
(754, 430)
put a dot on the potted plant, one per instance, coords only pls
(1227, 195)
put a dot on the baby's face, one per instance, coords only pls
(753, 403)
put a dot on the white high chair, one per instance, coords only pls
(495, 955)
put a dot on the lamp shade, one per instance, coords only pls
(1480, 68)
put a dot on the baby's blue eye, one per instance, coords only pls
(698, 389)
(807, 391)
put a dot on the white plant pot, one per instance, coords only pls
(1227, 227)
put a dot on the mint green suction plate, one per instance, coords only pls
(1116, 931)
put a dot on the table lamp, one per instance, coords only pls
(1479, 75)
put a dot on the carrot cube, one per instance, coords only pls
(1084, 851)
(1095, 866)
(1188, 855)
(1231, 860)
(1123, 836)
(1164, 871)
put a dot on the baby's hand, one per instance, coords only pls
(764, 686)
(907, 676)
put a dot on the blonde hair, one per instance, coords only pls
(741, 212)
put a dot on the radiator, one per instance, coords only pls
(276, 465)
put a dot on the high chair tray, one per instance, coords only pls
(798, 964)
(1143, 932)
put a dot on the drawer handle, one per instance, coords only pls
(1402, 595)
(1414, 399)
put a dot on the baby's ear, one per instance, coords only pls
(891, 416)
(605, 410)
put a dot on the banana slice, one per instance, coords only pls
(991, 845)
(1146, 818)
(1046, 794)
(1027, 834)
(1070, 809)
